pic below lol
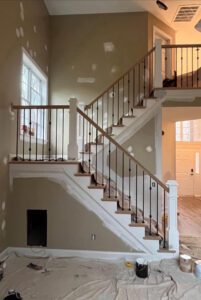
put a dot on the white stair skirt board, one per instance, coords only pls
(103, 255)
(91, 199)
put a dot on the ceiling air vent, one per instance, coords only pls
(186, 13)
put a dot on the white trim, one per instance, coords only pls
(35, 67)
(162, 34)
(90, 254)
(3, 254)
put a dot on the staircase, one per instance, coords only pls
(128, 198)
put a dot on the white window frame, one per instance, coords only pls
(35, 70)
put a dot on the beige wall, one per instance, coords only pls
(13, 16)
(70, 224)
(77, 43)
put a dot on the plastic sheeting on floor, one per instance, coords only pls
(83, 279)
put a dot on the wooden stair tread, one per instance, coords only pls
(133, 224)
(112, 199)
(118, 125)
(139, 107)
(152, 237)
(86, 152)
(96, 186)
(129, 117)
(123, 211)
(82, 174)
(166, 250)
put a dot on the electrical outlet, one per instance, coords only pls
(93, 236)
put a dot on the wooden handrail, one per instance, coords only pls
(39, 107)
(123, 150)
(181, 46)
(116, 81)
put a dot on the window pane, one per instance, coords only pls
(25, 74)
(35, 98)
(25, 91)
(35, 83)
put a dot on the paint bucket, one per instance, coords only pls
(185, 263)
(141, 268)
(197, 269)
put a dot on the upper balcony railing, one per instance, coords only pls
(127, 92)
(181, 66)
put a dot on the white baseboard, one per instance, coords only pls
(3, 254)
(104, 255)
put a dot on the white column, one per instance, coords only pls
(73, 146)
(158, 80)
(173, 233)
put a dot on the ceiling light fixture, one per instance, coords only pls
(161, 5)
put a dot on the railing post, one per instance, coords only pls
(73, 146)
(173, 234)
(158, 80)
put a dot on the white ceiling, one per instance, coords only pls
(72, 7)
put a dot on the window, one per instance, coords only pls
(33, 92)
(188, 131)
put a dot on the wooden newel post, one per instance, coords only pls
(173, 234)
(158, 80)
(73, 145)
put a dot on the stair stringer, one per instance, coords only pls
(118, 224)
(139, 121)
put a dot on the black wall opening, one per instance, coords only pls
(36, 227)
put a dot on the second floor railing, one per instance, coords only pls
(127, 92)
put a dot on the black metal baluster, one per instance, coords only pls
(97, 113)
(150, 210)
(139, 84)
(89, 147)
(123, 95)
(166, 75)
(17, 134)
(49, 144)
(144, 78)
(197, 67)
(24, 126)
(107, 112)
(128, 93)
(96, 171)
(43, 146)
(164, 222)
(192, 66)
(113, 105)
(109, 179)
(143, 196)
(129, 185)
(29, 134)
(186, 67)
(103, 160)
(136, 192)
(36, 134)
(116, 162)
(157, 209)
(118, 103)
(92, 111)
(181, 67)
(122, 180)
(102, 111)
(133, 88)
(83, 140)
(62, 141)
(56, 134)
